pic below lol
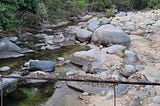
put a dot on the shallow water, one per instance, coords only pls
(37, 95)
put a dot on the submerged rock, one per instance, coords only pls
(43, 65)
(109, 34)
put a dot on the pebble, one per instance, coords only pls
(5, 68)
(60, 59)
(85, 93)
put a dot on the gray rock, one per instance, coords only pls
(121, 14)
(115, 49)
(49, 39)
(60, 58)
(42, 65)
(157, 99)
(13, 39)
(41, 36)
(83, 35)
(149, 22)
(131, 57)
(98, 70)
(109, 34)
(6, 45)
(94, 23)
(153, 104)
(5, 54)
(128, 70)
(5, 68)
(58, 38)
(92, 26)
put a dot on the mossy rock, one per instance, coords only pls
(109, 13)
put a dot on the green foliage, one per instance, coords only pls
(9, 9)
(81, 3)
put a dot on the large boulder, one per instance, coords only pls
(109, 34)
(83, 35)
(43, 65)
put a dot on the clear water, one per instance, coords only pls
(37, 95)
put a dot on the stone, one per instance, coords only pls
(49, 40)
(41, 36)
(98, 70)
(149, 22)
(115, 49)
(71, 73)
(156, 99)
(60, 58)
(137, 77)
(6, 45)
(121, 14)
(50, 47)
(153, 104)
(92, 26)
(131, 57)
(103, 93)
(6, 54)
(37, 74)
(12, 39)
(109, 34)
(95, 22)
(59, 37)
(5, 68)
(83, 35)
(43, 65)
(128, 70)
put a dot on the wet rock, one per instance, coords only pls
(5, 68)
(38, 74)
(109, 34)
(9, 82)
(128, 70)
(131, 57)
(43, 65)
(83, 35)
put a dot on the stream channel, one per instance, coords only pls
(45, 94)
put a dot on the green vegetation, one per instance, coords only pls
(31, 13)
